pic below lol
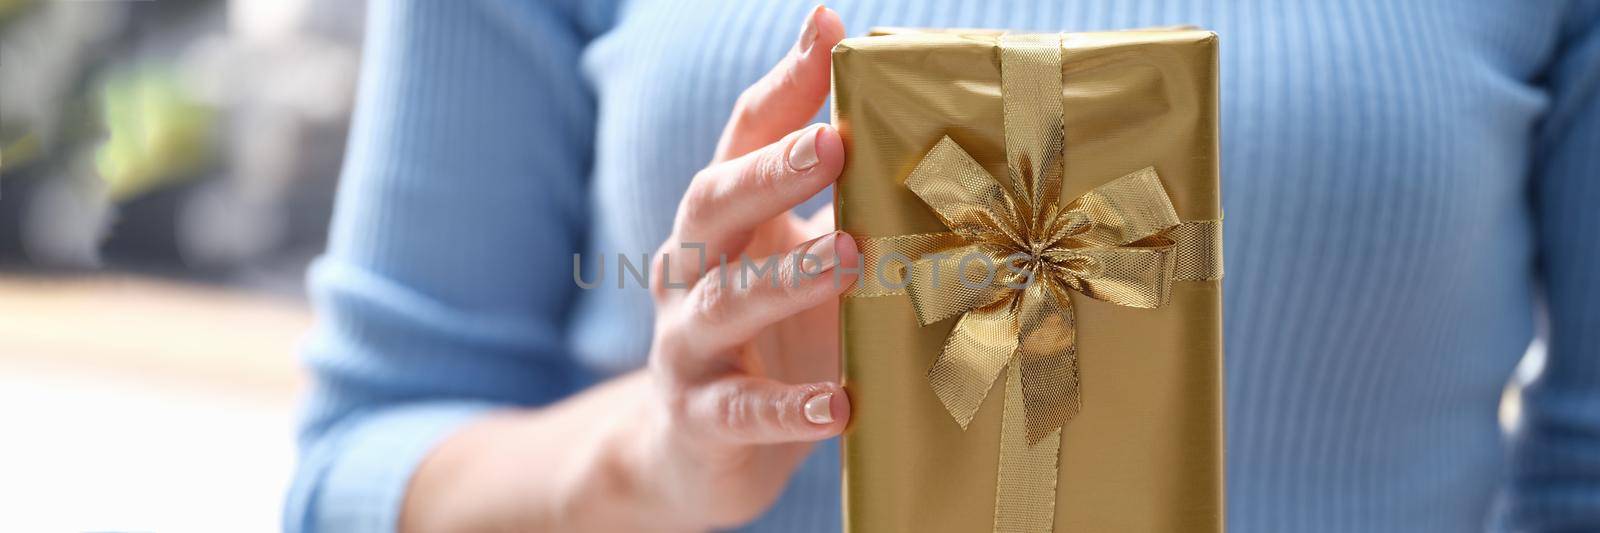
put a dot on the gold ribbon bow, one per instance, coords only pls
(1009, 262)
(1013, 273)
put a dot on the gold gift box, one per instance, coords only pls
(1145, 453)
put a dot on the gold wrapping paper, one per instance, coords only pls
(1143, 448)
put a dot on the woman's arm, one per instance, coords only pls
(442, 300)
(1555, 468)
(566, 467)
(445, 287)
(742, 377)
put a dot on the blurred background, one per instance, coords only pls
(166, 172)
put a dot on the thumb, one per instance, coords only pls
(753, 410)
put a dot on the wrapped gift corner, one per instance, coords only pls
(1080, 388)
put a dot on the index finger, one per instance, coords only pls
(790, 94)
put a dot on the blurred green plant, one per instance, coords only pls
(157, 133)
(20, 151)
(12, 7)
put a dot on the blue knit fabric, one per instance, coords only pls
(1409, 186)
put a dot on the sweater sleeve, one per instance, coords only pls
(446, 284)
(1555, 454)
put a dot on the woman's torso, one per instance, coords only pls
(1375, 158)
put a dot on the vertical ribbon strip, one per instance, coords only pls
(1030, 434)
(1121, 243)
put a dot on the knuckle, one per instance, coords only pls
(677, 402)
(795, 284)
(667, 350)
(766, 174)
(734, 413)
(669, 364)
(786, 412)
(697, 200)
(746, 108)
(789, 276)
(713, 301)
(702, 178)
(788, 73)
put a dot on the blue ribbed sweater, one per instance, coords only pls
(1412, 190)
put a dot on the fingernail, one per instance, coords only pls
(819, 409)
(808, 31)
(803, 153)
(822, 255)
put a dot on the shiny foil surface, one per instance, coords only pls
(1144, 450)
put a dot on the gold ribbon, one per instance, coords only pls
(1008, 263)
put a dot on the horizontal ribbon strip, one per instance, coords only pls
(1198, 256)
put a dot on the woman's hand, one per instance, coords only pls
(742, 374)
(745, 367)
